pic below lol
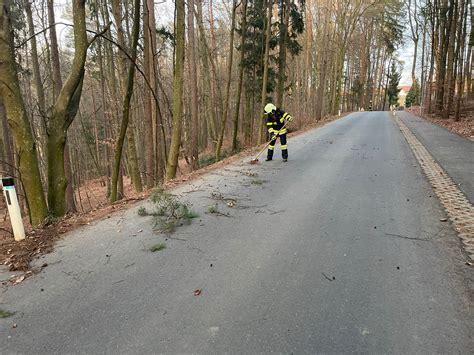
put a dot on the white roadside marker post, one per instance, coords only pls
(13, 206)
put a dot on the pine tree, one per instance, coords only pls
(393, 90)
(414, 95)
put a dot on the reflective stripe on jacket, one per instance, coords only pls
(276, 121)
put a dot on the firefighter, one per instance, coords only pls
(276, 120)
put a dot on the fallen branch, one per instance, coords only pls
(327, 277)
(275, 212)
(405, 237)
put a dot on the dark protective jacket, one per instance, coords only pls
(276, 121)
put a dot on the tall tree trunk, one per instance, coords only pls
(194, 89)
(444, 26)
(470, 54)
(148, 99)
(213, 58)
(308, 65)
(413, 68)
(451, 40)
(122, 67)
(64, 111)
(241, 75)
(105, 105)
(57, 86)
(56, 66)
(18, 121)
(34, 59)
(248, 114)
(434, 47)
(8, 163)
(413, 19)
(155, 135)
(209, 94)
(320, 90)
(423, 69)
(263, 97)
(461, 76)
(172, 163)
(126, 101)
(229, 80)
(283, 43)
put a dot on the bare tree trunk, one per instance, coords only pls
(320, 90)
(8, 163)
(470, 55)
(444, 26)
(126, 101)
(241, 75)
(461, 75)
(194, 89)
(413, 19)
(172, 164)
(34, 58)
(247, 122)
(131, 146)
(283, 43)
(64, 112)
(451, 40)
(307, 76)
(209, 94)
(148, 99)
(434, 48)
(229, 79)
(56, 67)
(18, 121)
(57, 86)
(263, 97)
(423, 69)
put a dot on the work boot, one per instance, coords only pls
(285, 160)
(268, 159)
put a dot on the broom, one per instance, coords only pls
(255, 160)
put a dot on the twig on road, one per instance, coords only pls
(275, 212)
(217, 213)
(198, 249)
(176, 238)
(327, 277)
(405, 237)
(191, 191)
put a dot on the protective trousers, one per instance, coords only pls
(284, 147)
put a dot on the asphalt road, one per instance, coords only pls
(339, 250)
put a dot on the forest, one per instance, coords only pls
(116, 97)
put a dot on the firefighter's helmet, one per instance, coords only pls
(269, 108)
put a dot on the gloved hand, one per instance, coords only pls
(288, 118)
(274, 136)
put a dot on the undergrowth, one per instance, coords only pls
(168, 212)
(209, 159)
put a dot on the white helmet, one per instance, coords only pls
(269, 108)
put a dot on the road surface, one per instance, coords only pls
(339, 250)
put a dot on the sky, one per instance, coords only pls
(405, 54)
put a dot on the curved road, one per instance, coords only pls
(340, 250)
